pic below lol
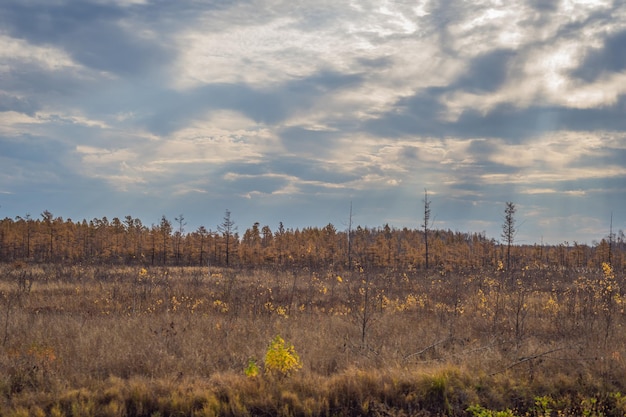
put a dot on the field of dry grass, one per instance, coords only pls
(129, 341)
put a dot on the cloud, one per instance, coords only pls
(282, 109)
(488, 72)
(96, 35)
(20, 105)
(610, 57)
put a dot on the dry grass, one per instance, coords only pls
(124, 341)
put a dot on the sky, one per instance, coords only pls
(293, 110)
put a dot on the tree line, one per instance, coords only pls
(127, 241)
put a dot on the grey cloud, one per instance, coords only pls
(544, 5)
(43, 167)
(487, 72)
(508, 122)
(617, 156)
(375, 63)
(37, 149)
(314, 171)
(175, 109)
(612, 185)
(414, 115)
(445, 12)
(244, 185)
(606, 158)
(48, 22)
(172, 109)
(305, 141)
(37, 169)
(597, 118)
(483, 148)
(88, 31)
(42, 85)
(409, 153)
(420, 115)
(513, 124)
(301, 168)
(472, 186)
(610, 58)
(10, 102)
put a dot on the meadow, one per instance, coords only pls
(195, 341)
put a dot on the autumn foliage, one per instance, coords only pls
(122, 320)
(51, 239)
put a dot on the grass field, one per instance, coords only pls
(130, 341)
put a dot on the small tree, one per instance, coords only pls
(179, 235)
(227, 228)
(165, 228)
(350, 238)
(202, 233)
(365, 301)
(48, 220)
(508, 230)
(281, 359)
(611, 238)
(27, 220)
(426, 225)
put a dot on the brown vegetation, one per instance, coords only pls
(141, 341)
(129, 242)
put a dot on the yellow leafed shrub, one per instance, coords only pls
(281, 359)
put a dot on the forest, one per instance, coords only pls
(51, 239)
(114, 318)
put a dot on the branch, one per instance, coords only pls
(526, 359)
(426, 349)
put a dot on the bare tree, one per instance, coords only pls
(508, 230)
(611, 239)
(350, 238)
(165, 227)
(179, 235)
(227, 228)
(203, 233)
(426, 225)
(27, 233)
(364, 302)
(48, 220)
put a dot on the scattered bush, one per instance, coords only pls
(281, 359)
(124, 341)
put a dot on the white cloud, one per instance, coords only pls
(355, 64)
(118, 167)
(577, 10)
(540, 71)
(559, 153)
(533, 191)
(488, 25)
(14, 51)
(276, 49)
(602, 93)
(537, 176)
(125, 3)
(256, 54)
(293, 185)
(13, 123)
(223, 137)
(220, 139)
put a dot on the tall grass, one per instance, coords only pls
(125, 341)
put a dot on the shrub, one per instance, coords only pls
(478, 411)
(281, 359)
(252, 370)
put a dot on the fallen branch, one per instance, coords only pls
(425, 349)
(526, 359)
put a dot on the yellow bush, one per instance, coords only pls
(281, 359)
(252, 370)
